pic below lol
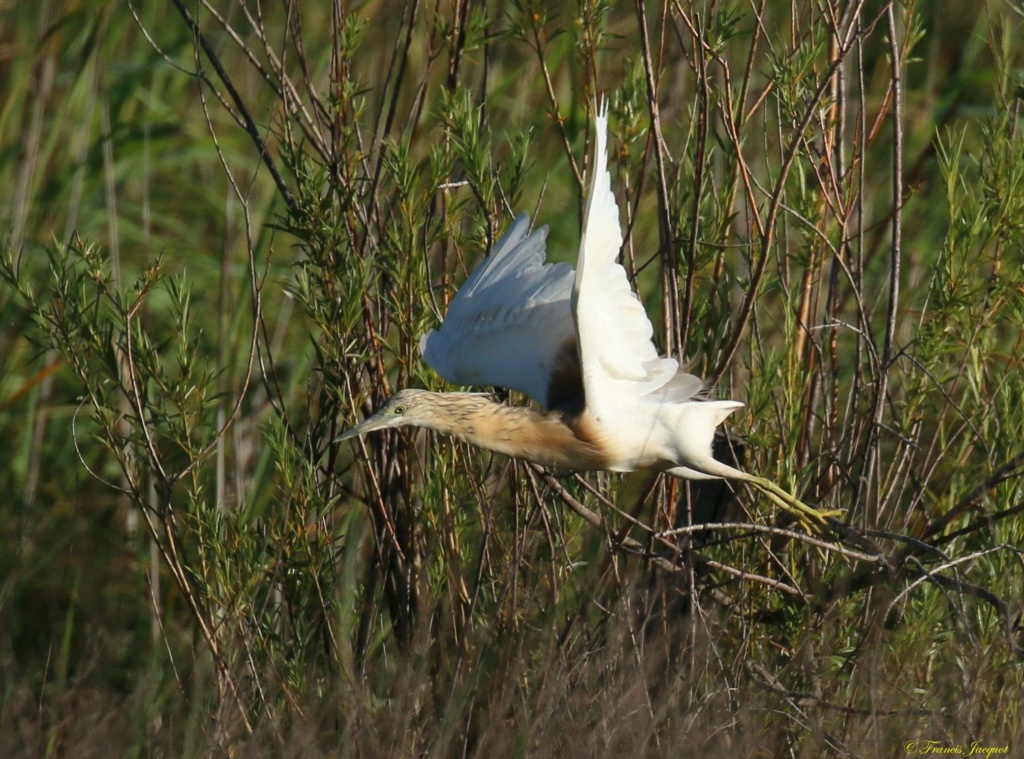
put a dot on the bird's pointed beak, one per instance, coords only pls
(376, 422)
(354, 432)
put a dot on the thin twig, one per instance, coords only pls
(249, 125)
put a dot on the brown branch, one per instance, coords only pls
(247, 122)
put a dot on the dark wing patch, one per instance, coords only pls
(565, 388)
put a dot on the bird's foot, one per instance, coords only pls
(812, 519)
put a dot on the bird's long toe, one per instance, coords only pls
(812, 519)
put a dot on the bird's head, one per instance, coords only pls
(405, 408)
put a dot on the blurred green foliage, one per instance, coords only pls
(226, 227)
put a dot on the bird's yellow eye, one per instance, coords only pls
(398, 410)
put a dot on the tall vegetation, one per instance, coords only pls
(227, 226)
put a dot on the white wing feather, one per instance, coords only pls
(507, 323)
(510, 324)
(617, 354)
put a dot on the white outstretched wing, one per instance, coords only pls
(510, 322)
(617, 354)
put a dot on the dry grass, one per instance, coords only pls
(193, 568)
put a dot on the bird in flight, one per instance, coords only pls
(580, 345)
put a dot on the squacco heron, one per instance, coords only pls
(581, 346)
